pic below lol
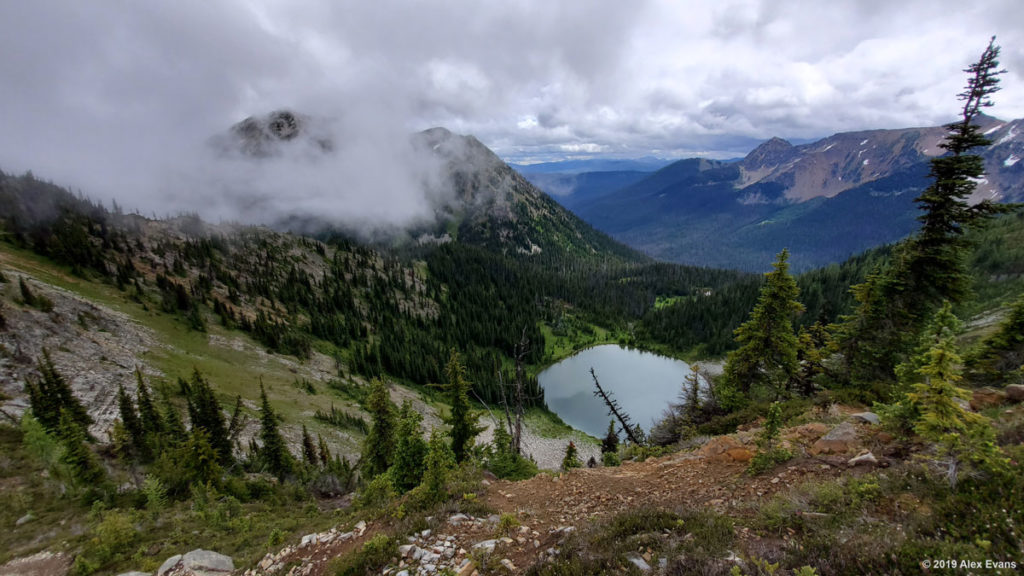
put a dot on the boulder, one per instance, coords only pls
(868, 417)
(839, 440)
(726, 449)
(1015, 392)
(197, 563)
(987, 398)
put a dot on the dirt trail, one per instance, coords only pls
(549, 507)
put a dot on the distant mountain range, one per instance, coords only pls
(824, 200)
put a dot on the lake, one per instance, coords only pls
(642, 382)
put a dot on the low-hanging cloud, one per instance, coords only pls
(122, 99)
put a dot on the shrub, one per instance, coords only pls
(571, 459)
(610, 459)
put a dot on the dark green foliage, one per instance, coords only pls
(611, 439)
(174, 433)
(197, 460)
(30, 298)
(410, 449)
(571, 458)
(938, 269)
(438, 464)
(379, 445)
(149, 417)
(84, 465)
(1000, 358)
(930, 268)
(964, 438)
(309, 454)
(370, 559)
(205, 413)
(768, 453)
(504, 462)
(462, 419)
(343, 420)
(50, 397)
(273, 452)
(766, 361)
(132, 424)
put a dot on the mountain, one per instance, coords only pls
(824, 200)
(476, 198)
(576, 182)
(645, 164)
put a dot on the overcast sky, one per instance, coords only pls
(108, 94)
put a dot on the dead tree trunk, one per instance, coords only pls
(615, 410)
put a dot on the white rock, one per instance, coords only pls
(486, 545)
(869, 417)
(866, 459)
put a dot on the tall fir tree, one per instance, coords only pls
(132, 425)
(50, 395)
(205, 413)
(76, 455)
(308, 448)
(274, 452)
(963, 437)
(894, 304)
(462, 419)
(766, 359)
(379, 445)
(939, 270)
(410, 449)
(437, 465)
(149, 416)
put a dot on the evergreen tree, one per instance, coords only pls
(964, 437)
(174, 432)
(938, 270)
(197, 460)
(462, 420)
(274, 452)
(308, 448)
(611, 439)
(83, 464)
(205, 413)
(410, 449)
(51, 395)
(1000, 358)
(149, 416)
(767, 356)
(895, 303)
(438, 463)
(131, 423)
(378, 448)
(323, 451)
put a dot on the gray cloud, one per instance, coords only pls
(120, 98)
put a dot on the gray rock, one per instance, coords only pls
(168, 565)
(869, 417)
(1015, 392)
(136, 574)
(197, 563)
(639, 562)
(25, 519)
(486, 545)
